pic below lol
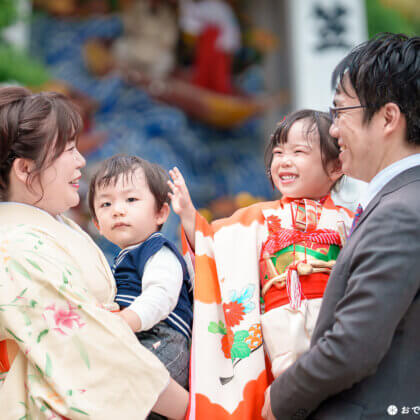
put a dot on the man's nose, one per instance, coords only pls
(334, 130)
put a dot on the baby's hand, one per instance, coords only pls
(131, 318)
(180, 196)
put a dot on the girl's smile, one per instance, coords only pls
(296, 168)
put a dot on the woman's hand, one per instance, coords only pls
(182, 204)
(266, 412)
(172, 402)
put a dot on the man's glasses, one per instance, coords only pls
(334, 112)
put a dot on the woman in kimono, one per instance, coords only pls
(63, 353)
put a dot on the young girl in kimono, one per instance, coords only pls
(63, 354)
(298, 240)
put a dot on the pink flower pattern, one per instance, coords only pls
(63, 320)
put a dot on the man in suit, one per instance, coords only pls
(364, 360)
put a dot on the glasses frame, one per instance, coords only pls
(334, 111)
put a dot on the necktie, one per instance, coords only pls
(359, 212)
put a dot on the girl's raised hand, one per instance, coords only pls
(179, 195)
(182, 204)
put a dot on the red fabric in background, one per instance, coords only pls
(212, 66)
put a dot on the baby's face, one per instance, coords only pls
(126, 210)
(296, 168)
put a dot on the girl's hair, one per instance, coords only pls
(318, 122)
(36, 127)
(112, 168)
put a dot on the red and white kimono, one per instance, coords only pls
(304, 239)
(229, 372)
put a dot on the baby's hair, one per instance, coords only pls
(112, 168)
(318, 122)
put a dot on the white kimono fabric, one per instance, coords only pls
(74, 358)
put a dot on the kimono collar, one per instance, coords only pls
(5, 204)
(14, 212)
(326, 200)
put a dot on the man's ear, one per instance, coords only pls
(22, 168)
(162, 214)
(392, 117)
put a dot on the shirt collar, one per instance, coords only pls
(383, 177)
(130, 247)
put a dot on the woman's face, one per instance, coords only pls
(60, 182)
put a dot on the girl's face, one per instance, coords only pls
(296, 168)
(60, 182)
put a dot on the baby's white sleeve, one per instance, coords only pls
(161, 287)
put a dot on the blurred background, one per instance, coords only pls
(194, 84)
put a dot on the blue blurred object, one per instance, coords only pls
(214, 162)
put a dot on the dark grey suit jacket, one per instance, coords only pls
(365, 350)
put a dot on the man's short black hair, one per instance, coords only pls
(385, 69)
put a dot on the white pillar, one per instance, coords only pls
(321, 33)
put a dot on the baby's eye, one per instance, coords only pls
(277, 152)
(106, 204)
(131, 199)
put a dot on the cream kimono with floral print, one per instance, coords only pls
(74, 358)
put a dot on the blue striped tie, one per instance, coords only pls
(359, 212)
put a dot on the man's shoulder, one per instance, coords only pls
(404, 189)
(406, 180)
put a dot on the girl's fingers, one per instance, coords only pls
(178, 174)
(177, 178)
(176, 190)
(172, 174)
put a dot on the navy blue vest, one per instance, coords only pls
(128, 272)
